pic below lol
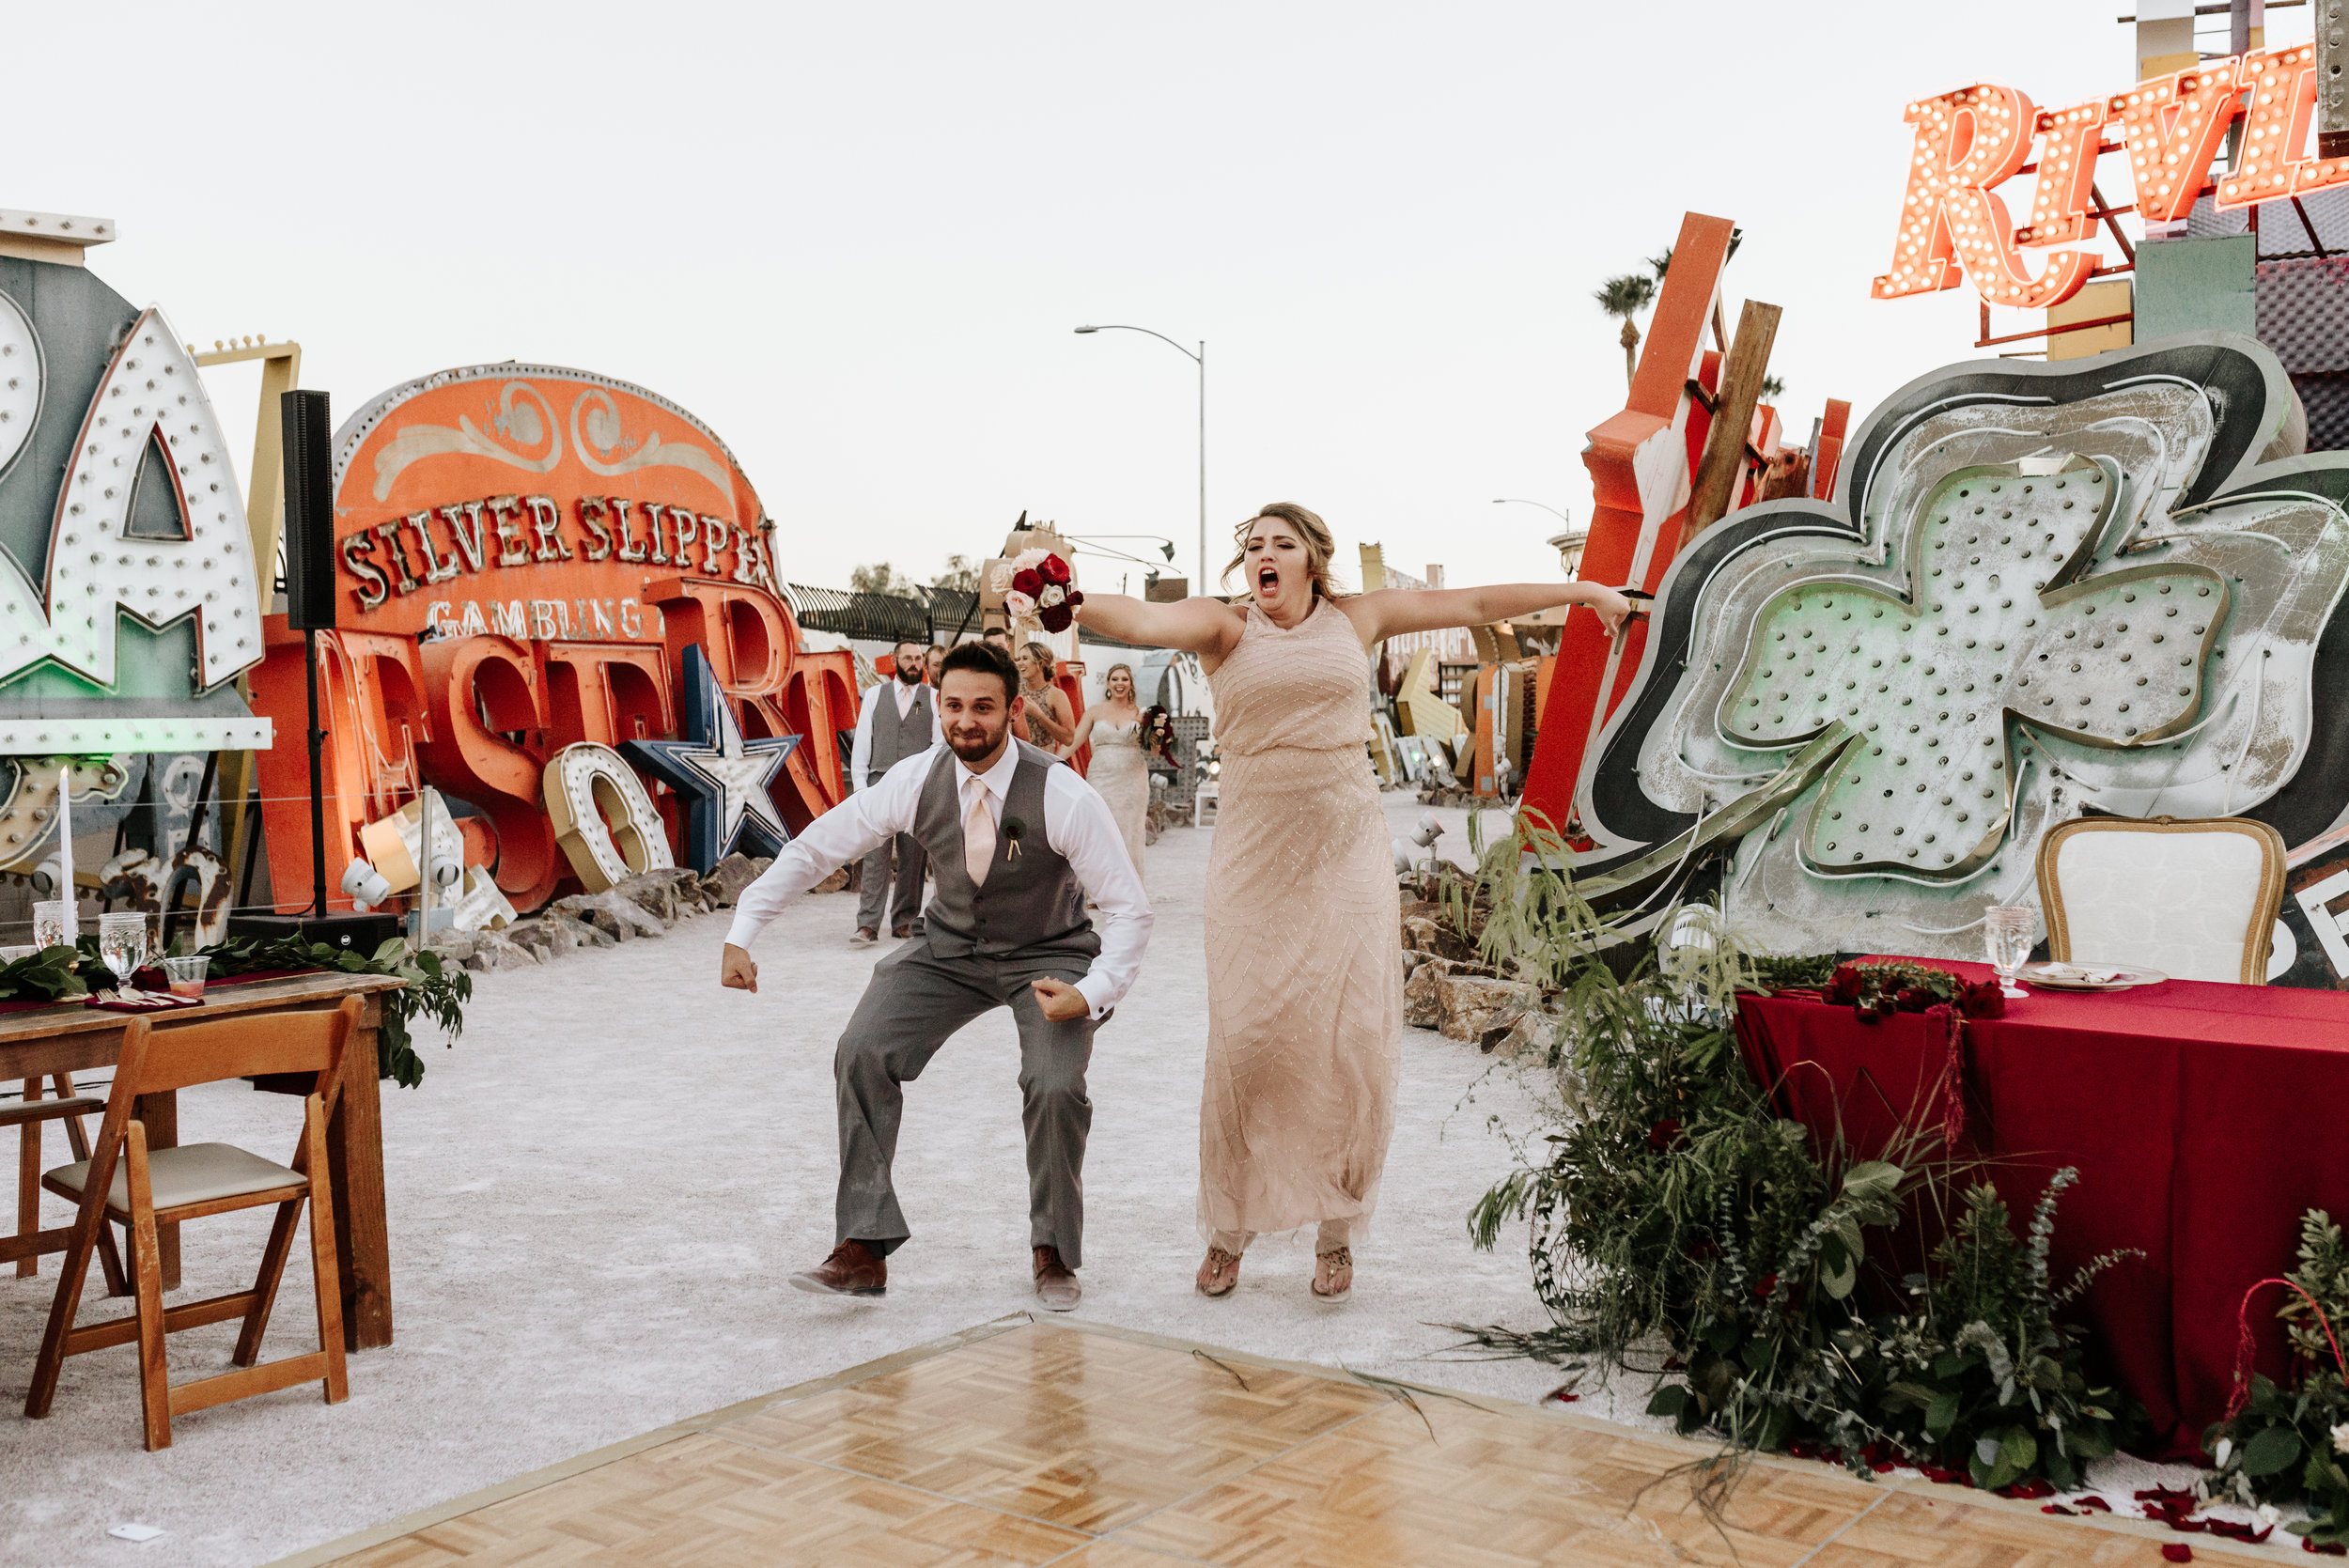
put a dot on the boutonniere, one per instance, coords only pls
(1013, 830)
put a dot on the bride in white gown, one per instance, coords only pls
(1118, 771)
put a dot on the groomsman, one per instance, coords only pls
(1019, 844)
(899, 720)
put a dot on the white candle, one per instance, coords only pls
(65, 855)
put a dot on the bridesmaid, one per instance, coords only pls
(1304, 970)
(1052, 719)
(1119, 770)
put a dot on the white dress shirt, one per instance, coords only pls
(861, 749)
(1077, 824)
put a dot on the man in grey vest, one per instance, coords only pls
(1017, 843)
(897, 722)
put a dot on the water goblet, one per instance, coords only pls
(2008, 931)
(48, 923)
(122, 945)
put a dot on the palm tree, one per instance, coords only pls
(1623, 298)
(1773, 387)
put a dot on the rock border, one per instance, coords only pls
(644, 906)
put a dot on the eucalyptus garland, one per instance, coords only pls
(429, 986)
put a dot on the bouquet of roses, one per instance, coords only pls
(1877, 989)
(1158, 734)
(1041, 593)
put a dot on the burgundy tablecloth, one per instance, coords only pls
(2203, 1118)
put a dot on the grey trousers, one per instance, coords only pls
(916, 1000)
(873, 899)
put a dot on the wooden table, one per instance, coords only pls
(77, 1039)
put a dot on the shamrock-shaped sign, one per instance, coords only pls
(2001, 621)
(2103, 586)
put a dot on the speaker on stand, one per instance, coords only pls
(308, 439)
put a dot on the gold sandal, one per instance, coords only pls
(1220, 1275)
(1338, 1264)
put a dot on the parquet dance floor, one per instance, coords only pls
(1030, 1443)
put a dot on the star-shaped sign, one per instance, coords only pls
(2001, 625)
(723, 778)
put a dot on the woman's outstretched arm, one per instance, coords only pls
(1076, 742)
(1200, 626)
(1393, 612)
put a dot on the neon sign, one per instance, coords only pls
(1972, 141)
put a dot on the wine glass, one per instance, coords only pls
(49, 923)
(2008, 930)
(122, 945)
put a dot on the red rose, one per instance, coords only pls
(1769, 1283)
(1057, 617)
(1663, 1134)
(1842, 987)
(1982, 999)
(1028, 582)
(1055, 569)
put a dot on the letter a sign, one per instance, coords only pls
(129, 600)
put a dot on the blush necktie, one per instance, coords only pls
(978, 832)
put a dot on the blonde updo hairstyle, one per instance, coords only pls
(1042, 654)
(1311, 532)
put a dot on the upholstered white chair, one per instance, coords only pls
(2196, 899)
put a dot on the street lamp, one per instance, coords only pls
(1199, 359)
(1568, 542)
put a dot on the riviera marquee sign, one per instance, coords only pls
(1972, 141)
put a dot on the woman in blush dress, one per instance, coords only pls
(1118, 770)
(1052, 719)
(1304, 969)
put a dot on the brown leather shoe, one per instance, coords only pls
(866, 937)
(1055, 1286)
(853, 1269)
(901, 932)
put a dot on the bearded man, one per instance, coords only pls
(899, 720)
(1018, 845)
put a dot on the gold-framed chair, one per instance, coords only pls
(124, 1183)
(2194, 897)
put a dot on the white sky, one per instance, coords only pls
(853, 238)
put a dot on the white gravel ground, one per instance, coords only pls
(596, 1195)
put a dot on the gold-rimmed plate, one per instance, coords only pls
(2090, 977)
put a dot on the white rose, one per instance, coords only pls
(2341, 1438)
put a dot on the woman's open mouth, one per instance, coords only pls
(1268, 579)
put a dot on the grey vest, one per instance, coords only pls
(893, 739)
(1031, 902)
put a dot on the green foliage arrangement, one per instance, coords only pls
(2289, 1444)
(50, 974)
(432, 988)
(1678, 1225)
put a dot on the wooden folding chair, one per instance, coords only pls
(33, 1114)
(123, 1183)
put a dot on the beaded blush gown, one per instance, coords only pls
(1304, 975)
(1122, 776)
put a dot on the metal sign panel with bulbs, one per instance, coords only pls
(129, 598)
(2107, 585)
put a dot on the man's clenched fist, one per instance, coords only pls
(735, 972)
(1060, 1000)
